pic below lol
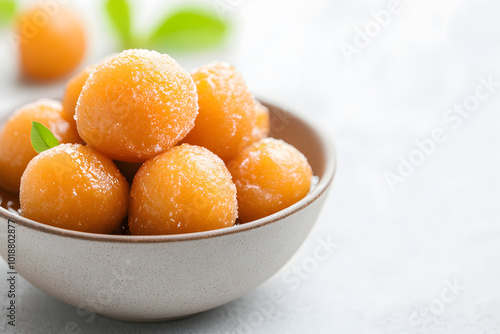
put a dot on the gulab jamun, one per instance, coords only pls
(15, 138)
(136, 105)
(74, 187)
(269, 175)
(73, 89)
(262, 123)
(227, 111)
(52, 42)
(186, 189)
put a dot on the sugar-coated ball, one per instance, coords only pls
(136, 105)
(227, 111)
(269, 175)
(186, 189)
(74, 187)
(262, 123)
(16, 150)
(73, 89)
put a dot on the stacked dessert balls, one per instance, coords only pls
(145, 143)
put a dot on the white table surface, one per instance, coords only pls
(422, 258)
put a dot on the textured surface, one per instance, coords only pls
(85, 190)
(186, 189)
(262, 123)
(227, 116)
(136, 105)
(394, 249)
(16, 150)
(269, 175)
(72, 91)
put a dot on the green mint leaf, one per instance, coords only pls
(189, 29)
(119, 15)
(7, 10)
(41, 137)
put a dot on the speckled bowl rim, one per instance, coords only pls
(323, 184)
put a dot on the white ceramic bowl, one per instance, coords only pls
(153, 278)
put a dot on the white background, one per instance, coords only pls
(399, 249)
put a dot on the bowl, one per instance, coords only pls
(156, 278)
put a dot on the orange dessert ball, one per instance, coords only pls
(15, 138)
(136, 105)
(227, 111)
(262, 123)
(270, 175)
(74, 187)
(51, 42)
(186, 189)
(73, 90)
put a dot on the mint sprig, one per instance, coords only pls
(119, 15)
(41, 138)
(7, 10)
(189, 29)
(185, 29)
